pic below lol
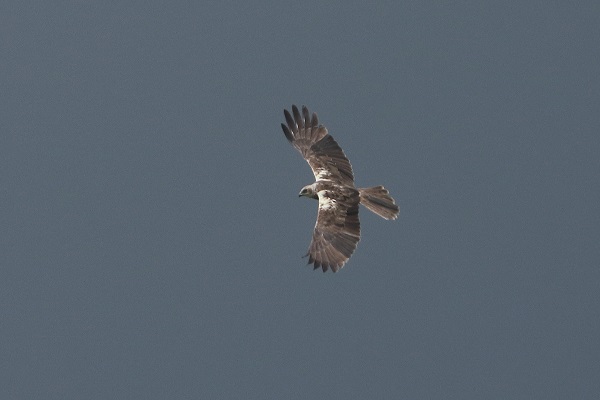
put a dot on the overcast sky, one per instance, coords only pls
(152, 235)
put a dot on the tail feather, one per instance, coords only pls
(378, 200)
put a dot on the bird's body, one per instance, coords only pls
(337, 230)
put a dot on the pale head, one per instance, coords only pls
(309, 191)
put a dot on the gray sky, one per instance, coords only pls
(152, 234)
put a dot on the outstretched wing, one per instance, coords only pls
(337, 230)
(323, 154)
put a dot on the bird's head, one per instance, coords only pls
(308, 191)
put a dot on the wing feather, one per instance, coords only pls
(306, 116)
(325, 157)
(290, 122)
(299, 120)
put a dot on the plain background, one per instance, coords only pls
(151, 233)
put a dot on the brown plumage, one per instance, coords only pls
(337, 230)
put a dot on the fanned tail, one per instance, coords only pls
(378, 200)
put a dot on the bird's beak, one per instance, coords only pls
(299, 195)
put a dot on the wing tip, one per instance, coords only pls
(325, 266)
(288, 134)
(292, 126)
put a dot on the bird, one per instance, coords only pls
(337, 229)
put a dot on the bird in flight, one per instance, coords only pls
(337, 230)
